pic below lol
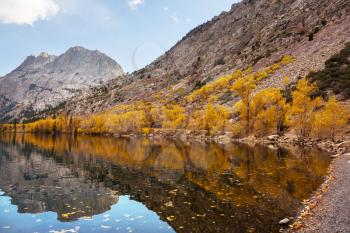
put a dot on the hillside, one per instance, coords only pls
(45, 81)
(336, 74)
(253, 33)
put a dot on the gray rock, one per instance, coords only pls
(272, 137)
(284, 222)
(335, 156)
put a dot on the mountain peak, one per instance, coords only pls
(78, 49)
(86, 62)
(44, 55)
(33, 62)
(47, 80)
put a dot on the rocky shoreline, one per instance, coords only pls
(328, 209)
(335, 148)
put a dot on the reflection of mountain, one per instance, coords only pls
(38, 184)
(195, 188)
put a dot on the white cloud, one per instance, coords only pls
(26, 11)
(166, 8)
(135, 3)
(174, 18)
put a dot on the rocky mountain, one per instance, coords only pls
(45, 81)
(253, 33)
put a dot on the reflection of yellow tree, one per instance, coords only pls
(215, 168)
(211, 157)
(171, 157)
(262, 171)
(272, 172)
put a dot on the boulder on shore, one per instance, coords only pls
(284, 222)
(335, 156)
(273, 137)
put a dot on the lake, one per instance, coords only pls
(105, 184)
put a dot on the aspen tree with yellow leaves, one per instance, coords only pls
(330, 119)
(174, 116)
(302, 111)
(244, 86)
(213, 118)
(269, 109)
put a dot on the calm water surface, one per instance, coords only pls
(95, 184)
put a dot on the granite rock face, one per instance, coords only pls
(45, 81)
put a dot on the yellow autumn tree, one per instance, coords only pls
(302, 111)
(280, 111)
(269, 109)
(42, 126)
(133, 121)
(330, 119)
(174, 116)
(155, 116)
(213, 118)
(244, 86)
(204, 93)
(96, 124)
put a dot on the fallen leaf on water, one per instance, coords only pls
(169, 204)
(170, 218)
(67, 215)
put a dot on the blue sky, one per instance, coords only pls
(133, 32)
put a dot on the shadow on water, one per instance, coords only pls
(192, 187)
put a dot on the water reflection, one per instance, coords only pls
(191, 187)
